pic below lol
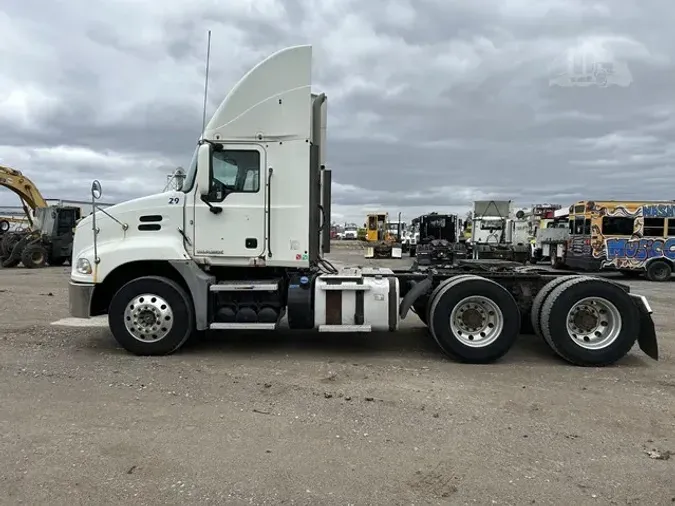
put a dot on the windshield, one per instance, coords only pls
(491, 224)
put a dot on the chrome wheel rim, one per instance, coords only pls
(476, 321)
(148, 318)
(594, 323)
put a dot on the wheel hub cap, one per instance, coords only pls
(594, 323)
(476, 321)
(148, 318)
(472, 318)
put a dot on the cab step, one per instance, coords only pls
(242, 326)
(345, 328)
(266, 285)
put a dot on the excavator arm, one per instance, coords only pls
(25, 189)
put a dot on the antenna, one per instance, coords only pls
(206, 80)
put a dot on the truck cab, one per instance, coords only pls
(238, 225)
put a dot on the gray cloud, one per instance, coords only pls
(432, 103)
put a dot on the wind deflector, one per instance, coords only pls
(326, 182)
(492, 208)
(316, 193)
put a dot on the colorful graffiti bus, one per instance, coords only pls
(631, 237)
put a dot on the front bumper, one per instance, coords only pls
(79, 299)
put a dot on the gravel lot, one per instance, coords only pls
(321, 419)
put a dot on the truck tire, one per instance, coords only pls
(151, 315)
(659, 270)
(421, 306)
(474, 319)
(590, 321)
(4, 226)
(9, 240)
(538, 302)
(442, 286)
(34, 256)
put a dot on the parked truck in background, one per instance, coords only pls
(240, 247)
(439, 239)
(351, 232)
(551, 240)
(499, 233)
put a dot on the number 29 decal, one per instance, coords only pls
(174, 200)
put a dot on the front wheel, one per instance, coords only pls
(151, 315)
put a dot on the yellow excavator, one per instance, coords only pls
(380, 242)
(49, 237)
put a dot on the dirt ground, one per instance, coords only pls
(310, 419)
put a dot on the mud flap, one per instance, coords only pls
(647, 337)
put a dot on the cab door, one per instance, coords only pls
(230, 220)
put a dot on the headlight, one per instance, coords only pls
(83, 266)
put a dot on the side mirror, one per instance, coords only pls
(204, 169)
(96, 190)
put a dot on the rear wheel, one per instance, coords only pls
(4, 226)
(538, 302)
(474, 319)
(590, 321)
(34, 256)
(659, 270)
(151, 315)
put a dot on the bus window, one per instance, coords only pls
(587, 227)
(671, 226)
(579, 225)
(572, 226)
(614, 225)
(654, 227)
(579, 209)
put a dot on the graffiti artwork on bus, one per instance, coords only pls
(623, 252)
(640, 250)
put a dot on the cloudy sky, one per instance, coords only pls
(432, 103)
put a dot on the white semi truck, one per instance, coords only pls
(240, 246)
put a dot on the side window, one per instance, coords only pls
(617, 226)
(654, 227)
(671, 226)
(234, 171)
(372, 223)
(587, 226)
